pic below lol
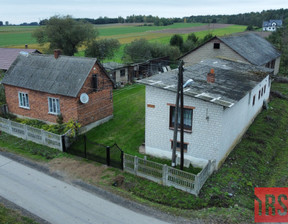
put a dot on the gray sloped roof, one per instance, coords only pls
(252, 47)
(233, 80)
(62, 76)
(113, 65)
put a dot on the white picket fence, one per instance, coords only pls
(168, 176)
(30, 133)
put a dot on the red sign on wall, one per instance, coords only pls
(270, 204)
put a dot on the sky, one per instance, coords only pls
(19, 11)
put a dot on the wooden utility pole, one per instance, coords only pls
(176, 122)
(176, 111)
(182, 116)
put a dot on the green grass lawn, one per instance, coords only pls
(127, 127)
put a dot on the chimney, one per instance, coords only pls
(57, 53)
(211, 76)
(26, 46)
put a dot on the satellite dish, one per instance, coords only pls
(84, 98)
(188, 83)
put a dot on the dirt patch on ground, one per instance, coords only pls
(211, 26)
(72, 168)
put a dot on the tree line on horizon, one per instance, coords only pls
(251, 18)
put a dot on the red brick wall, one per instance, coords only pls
(38, 102)
(100, 103)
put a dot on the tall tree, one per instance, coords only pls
(102, 49)
(65, 33)
(137, 51)
(140, 50)
(176, 40)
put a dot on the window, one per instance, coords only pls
(265, 89)
(262, 91)
(178, 146)
(216, 45)
(23, 100)
(188, 116)
(253, 100)
(94, 82)
(122, 72)
(259, 95)
(53, 105)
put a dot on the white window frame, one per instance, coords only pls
(23, 100)
(53, 106)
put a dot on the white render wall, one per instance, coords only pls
(215, 130)
(203, 142)
(237, 119)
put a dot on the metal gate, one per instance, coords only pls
(84, 147)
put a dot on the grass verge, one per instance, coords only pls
(9, 216)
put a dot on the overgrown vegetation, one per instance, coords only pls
(102, 49)
(59, 129)
(141, 50)
(280, 41)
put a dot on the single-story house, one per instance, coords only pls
(245, 47)
(44, 86)
(272, 25)
(219, 105)
(118, 72)
(8, 56)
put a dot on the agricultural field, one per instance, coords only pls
(18, 36)
(14, 36)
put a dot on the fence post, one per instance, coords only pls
(25, 131)
(85, 147)
(108, 155)
(63, 137)
(122, 160)
(197, 184)
(43, 136)
(135, 164)
(10, 126)
(164, 174)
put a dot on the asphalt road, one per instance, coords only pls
(58, 202)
